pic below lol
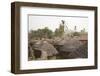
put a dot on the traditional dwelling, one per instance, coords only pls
(67, 46)
(82, 50)
(47, 50)
(30, 52)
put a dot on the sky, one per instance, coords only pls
(53, 22)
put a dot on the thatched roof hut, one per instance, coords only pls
(81, 52)
(69, 45)
(47, 47)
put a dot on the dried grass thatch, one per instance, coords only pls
(45, 46)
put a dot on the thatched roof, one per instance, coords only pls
(45, 46)
(69, 45)
(81, 52)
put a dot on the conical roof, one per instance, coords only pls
(81, 52)
(69, 45)
(45, 46)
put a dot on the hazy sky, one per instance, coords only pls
(52, 22)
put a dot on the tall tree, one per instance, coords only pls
(60, 31)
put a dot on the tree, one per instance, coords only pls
(75, 28)
(47, 33)
(60, 31)
(83, 30)
(41, 33)
(31, 34)
(57, 32)
(75, 33)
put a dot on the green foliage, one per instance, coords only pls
(76, 34)
(46, 32)
(57, 32)
(60, 31)
(83, 30)
(41, 33)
